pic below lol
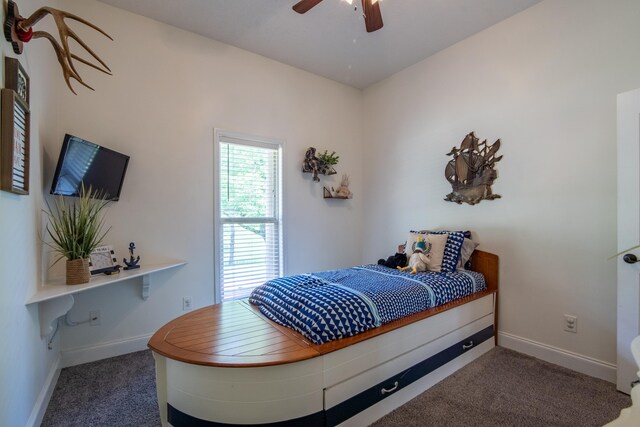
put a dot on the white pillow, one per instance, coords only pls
(435, 248)
(468, 246)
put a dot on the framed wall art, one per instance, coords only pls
(16, 78)
(14, 143)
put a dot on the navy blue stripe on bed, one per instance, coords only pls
(330, 305)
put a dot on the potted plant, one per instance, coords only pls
(76, 228)
(329, 159)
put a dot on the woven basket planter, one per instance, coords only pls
(78, 271)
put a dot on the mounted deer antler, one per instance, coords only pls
(19, 30)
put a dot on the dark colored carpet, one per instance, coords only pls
(502, 388)
(120, 391)
(506, 388)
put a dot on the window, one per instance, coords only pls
(248, 213)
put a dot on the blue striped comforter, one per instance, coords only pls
(330, 305)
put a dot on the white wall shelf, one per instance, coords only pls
(55, 298)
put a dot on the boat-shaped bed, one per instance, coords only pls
(228, 364)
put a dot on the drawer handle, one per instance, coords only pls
(391, 390)
(467, 346)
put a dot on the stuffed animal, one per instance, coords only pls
(419, 259)
(343, 191)
(394, 261)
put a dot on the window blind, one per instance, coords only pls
(249, 216)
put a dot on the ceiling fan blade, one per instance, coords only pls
(372, 15)
(304, 5)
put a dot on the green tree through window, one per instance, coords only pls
(248, 244)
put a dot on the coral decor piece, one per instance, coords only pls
(19, 30)
(313, 164)
(471, 171)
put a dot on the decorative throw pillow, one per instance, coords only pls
(410, 245)
(435, 248)
(451, 250)
(468, 246)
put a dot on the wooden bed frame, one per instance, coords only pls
(228, 365)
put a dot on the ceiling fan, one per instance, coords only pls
(370, 11)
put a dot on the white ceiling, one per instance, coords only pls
(330, 39)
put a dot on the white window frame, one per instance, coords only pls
(256, 141)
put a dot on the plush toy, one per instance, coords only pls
(343, 191)
(419, 259)
(394, 261)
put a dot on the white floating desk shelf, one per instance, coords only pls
(55, 298)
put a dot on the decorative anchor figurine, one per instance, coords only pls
(132, 264)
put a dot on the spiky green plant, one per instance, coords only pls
(76, 227)
(329, 159)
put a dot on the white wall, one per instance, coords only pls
(27, 368)
(545, 82)
(170, 89)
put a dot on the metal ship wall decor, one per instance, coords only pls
(471, 170)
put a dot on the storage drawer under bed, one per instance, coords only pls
(351, 361)
(348, 398)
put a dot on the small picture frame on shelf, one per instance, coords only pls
(103, 260)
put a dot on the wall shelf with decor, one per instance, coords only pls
(342, 192)
(55, 298)
(329, 194)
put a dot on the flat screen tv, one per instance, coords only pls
(83, 162)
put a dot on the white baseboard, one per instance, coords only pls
(40, 407)
(576, 362)
(101, 351)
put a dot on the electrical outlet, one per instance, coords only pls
(570, 323)
(186, 304)
(94, 316)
